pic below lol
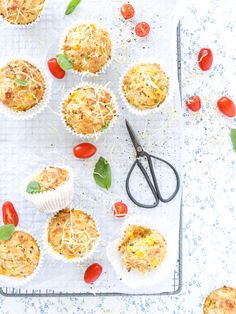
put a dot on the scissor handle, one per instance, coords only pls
(164, 200)
(152, 188)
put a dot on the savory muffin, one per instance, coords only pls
(51, 178)
(142, 248)
(88, 47)
(221, 301)
(21, 12)
(88, 110)
(145, 86)
(22, 85)
(19, 256)
(72, 233)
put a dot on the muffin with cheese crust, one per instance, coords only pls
(20, 258)
(72, 235)
(221, 301)
(89, 48)
(89, 110)
(145, 86)
(50, 189)
(21, 12)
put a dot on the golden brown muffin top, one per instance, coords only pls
(221, 301)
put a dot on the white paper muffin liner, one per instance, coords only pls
(171, 88)
(134, 278)
(29, 114)
(8, 281)
(24, 26)
(49, 249)
(99, 133)
(51, 201)
(105, 66)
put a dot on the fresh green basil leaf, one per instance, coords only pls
(233, 138)
(6, 231)
(102, 173)
(64, 62)
(33, 187)
(72, 6)
(21, 82)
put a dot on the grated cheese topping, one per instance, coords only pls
(17, 97)
(145, 86)
(51, 178)
(142, 249)
(221, 301)
(72, 233)
(88, 47)
(19, 256)
(21, 12)
(88, 110)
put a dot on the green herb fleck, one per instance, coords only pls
(102, 173)
(64, 62)
(233, 138)
(21, 82)
(33, 187)
(72, 6)
(105, 126)
(6, 231)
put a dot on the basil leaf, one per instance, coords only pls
(6, 231)
(33, 187)
(21, 82)
(71, 6)
(102, 173)
(64, 62)
(233, 138)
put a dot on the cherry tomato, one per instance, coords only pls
(84, 150)
(227, 106)
(127, 11)
(142, 29)
(55, 69)
(9, 214)
(205, 59)
(120, 209)
(92, 273)
(194, 103)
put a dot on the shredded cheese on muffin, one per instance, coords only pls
(145, 86)
(51, 178)
(142, 249)
(88, 47)
(88, 110)
(221, 301)
(21, 12)
(16, 96)
(72, 233)
(19, 256)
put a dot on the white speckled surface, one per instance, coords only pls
(209, 187)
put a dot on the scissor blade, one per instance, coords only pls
(133, 137)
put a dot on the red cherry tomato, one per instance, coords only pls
(194, 103)
(205, 59)
(120, 209)
(142, 29)
(55, 69)
(92, 273)
(127, 11)
(227, 106)
(9, 214)
(84, 150)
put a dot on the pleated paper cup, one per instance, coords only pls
(7, 281)
(25, 26)
(106, 65)
(28, 114)
(54, 200)
(99, 133)
(134, 278)
(49, 249)
(163, 105)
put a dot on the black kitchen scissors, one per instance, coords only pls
(151, 181)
